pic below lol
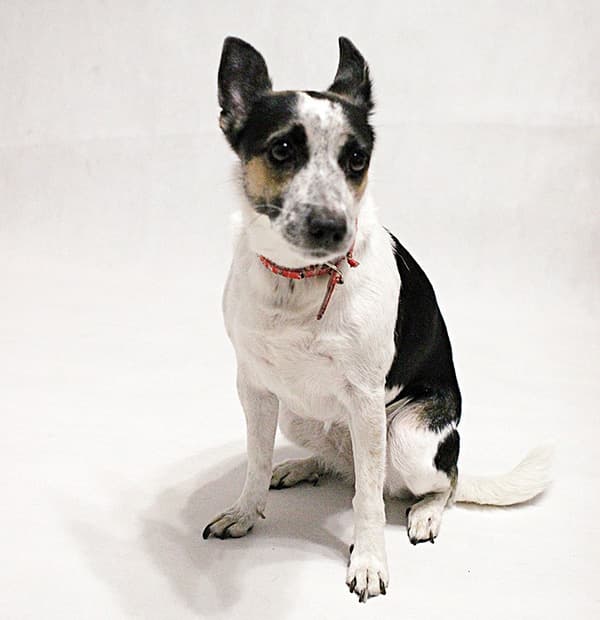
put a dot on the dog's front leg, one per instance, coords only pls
(261, 408)
(367, 570)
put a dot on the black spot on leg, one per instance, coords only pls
(446, 458)
(440, 408)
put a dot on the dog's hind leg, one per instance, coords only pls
(330, 444)
(422, 459)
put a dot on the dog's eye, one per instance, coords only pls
(357, 161)
(281, 152)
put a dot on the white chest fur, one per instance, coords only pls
(306, 363)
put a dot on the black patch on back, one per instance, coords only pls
(446, 457)
(423, 361)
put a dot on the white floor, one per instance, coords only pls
(121, 434)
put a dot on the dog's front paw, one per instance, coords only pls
(233, 523)
(367, 573)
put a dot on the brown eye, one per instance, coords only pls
(281, 152)
(357, 161)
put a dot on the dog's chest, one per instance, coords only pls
(305, 369)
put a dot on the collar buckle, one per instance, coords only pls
(334, 269)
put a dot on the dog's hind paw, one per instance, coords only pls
(294, 471)
(233, 523)
(423, 522)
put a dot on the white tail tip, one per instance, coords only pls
(528, 479)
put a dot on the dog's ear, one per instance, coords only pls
(352, 78)
(243, 78)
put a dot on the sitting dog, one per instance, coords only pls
(336, 328)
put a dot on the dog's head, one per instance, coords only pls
(304, 154)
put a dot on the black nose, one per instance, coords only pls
(325, 229)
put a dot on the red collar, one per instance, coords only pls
(330, 269)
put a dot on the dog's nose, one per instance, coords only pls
(325, 228)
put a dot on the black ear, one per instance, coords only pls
(243, 78)
(352, 78)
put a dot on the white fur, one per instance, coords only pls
(528, 479)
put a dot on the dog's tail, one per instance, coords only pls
(528, 479)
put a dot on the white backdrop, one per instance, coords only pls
(121, 432)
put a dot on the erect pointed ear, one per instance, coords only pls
(352, 78)
(243, 78)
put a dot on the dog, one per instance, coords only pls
(336, 328)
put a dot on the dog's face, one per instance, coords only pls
(304, 154)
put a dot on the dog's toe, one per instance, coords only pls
(233, 523)
(367, 575)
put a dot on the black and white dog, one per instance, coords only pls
(355, 364)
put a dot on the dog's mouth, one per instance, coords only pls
(319, 254)
(327, 254)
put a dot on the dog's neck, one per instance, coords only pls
(279, 294)
(332, 270)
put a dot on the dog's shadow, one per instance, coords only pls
(211, 576)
